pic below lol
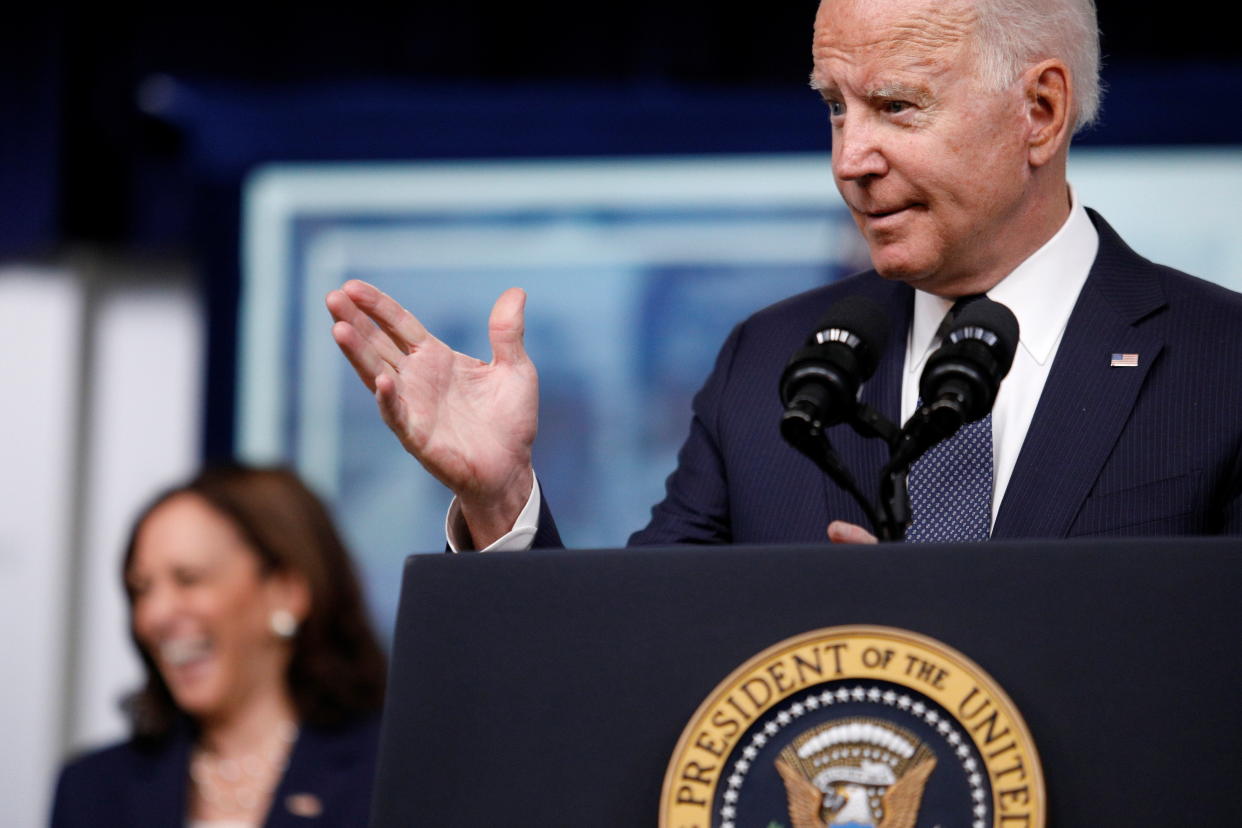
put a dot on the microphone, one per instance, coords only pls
(819, 386)
(961, 379)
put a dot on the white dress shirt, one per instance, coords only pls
(1041, 292)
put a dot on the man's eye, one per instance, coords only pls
(835, 108)
(894, 107)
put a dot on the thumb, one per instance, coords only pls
(839, 531)
(507, 326)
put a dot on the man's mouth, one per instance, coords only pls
(885, 213)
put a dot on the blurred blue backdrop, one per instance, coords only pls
(635, 268)
(138, 127)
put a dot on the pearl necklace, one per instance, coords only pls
(240, 785)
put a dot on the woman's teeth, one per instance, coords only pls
(181, 651)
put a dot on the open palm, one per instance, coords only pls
(470, 423)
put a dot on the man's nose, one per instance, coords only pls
(856, 151)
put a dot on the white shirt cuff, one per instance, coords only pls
(519, 538)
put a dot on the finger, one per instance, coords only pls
(393, 411)
(362, 356)
(506, 327)
(343, 309)
(840, 531)
(389, 401)
(406, 332)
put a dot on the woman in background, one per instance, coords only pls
(264, 679)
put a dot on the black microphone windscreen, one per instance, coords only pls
(995, 317)
(865, 319)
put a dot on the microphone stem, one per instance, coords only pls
(814, 444)
(895, 501)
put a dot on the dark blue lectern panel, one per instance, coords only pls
(549, 688)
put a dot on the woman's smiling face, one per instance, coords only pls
(200, 605)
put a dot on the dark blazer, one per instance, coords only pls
(124, 786)
(1151, 450)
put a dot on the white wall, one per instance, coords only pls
(40, 345)
(101, 371)
(143, 435)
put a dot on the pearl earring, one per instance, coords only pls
(283, 623)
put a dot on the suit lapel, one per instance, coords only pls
(299, 797)
(883, 392)
(865, 457)
(1085, 402)
(329, 775)
(159, 794)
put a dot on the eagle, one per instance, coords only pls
(901, 800)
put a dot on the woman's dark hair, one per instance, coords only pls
(337, 671)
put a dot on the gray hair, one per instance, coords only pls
(1013, 34)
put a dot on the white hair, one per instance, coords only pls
(1014, 34)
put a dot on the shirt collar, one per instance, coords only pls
(1041, 292)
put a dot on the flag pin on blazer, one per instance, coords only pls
(304, 805)
(1123, 361)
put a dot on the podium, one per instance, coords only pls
(549, 688)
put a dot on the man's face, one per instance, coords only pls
(932, 164)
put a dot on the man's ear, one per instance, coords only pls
(1049, 97)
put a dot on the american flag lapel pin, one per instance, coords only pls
(1123, 361)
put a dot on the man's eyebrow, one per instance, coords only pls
(900, 92)
(888, 92)
(820, 87)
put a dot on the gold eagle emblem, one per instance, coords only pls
(859, 771)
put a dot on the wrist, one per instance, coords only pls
(489, 517)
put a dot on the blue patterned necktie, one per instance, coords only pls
(951, 485)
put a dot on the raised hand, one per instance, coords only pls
(470, 423)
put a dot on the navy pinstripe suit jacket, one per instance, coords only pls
(1149, 450)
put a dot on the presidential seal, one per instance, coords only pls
(865, 727)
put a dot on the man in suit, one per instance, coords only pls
(951, 125)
